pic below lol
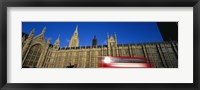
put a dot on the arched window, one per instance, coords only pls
(33, 56)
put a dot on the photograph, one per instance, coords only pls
(99, 44)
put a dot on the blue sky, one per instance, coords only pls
(127, 32)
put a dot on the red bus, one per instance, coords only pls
(123, 62)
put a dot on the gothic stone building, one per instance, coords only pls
(39, 53)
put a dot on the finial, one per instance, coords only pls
(76, 28)
(48, 40)
(33, 30)
(31, 33)
(43, 30)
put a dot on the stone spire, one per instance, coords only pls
(31, 33)
(27, 43)
(57, 43)
(76, 30)
(48, 41)
(74, 42)
(43, 30)
(115, 37)
(58, 39)
(94, 41)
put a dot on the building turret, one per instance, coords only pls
(30, 36)
(57, 43)
(112, 41)
(76, 31)
(27, 42)
(48, 41)
(115, 38)
(74, 42)
(94, 41)
(112, 45)
(43, 30)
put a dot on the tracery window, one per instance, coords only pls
(33, 56)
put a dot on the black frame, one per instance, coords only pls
(98, 3)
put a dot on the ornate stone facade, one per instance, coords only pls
(39, 53)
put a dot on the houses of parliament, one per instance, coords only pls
(37, 52)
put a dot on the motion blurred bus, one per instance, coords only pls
(123, 62)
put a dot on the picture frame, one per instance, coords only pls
(103, 3)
